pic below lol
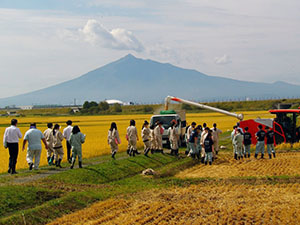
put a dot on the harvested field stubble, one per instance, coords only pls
(198, 204)
(226, 166)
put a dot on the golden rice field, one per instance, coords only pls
(96, 127)
(198, 204)
(226, 167)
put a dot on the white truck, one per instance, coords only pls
(166, 116)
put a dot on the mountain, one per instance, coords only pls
(147, 81)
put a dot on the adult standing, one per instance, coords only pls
(49, 138)
(57, 145)
(67, 133)
(11, 138)
(34, 137)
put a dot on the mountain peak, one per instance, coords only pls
(127, 59)
(129, 56)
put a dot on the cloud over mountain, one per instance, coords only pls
(119, 38)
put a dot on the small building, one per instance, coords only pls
(26, 107)
(113, 102)
(12, 113)
(76, 109)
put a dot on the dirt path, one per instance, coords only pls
(30, 176)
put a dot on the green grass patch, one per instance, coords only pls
(112, 170)
(14, 198)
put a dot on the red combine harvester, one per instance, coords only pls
(284, 125)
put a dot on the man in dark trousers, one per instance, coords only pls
(247, 142)
(11, 138)
(260, 145)
(67, 133)
(270, 142)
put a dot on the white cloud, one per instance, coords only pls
(225, 59)
(96, 34)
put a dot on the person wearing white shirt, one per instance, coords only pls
(11, 138)
(67, 133)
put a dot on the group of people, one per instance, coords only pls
(242, 141)
(151, 137)
(52, 139)
(202, 142)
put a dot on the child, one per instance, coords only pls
(152, 139)
(57, 145)
(158, 132)
(48, 134)
(113, 139)
(203, 137)
(247, 142)
(209, 148)
(270, 142)
(76, 140)
(174, 138)
(193, 143)
(238, 142)
(233, 133)
(132, 138)
(188, 135)
(146, 137)
(199, 146)
(260, 145)
(216, 133)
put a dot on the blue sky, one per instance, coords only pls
(47, 42)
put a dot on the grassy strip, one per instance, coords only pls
(112, 170)
(14, 198)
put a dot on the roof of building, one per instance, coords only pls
(113, 101)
